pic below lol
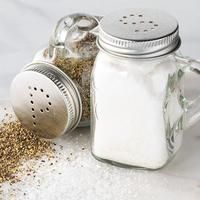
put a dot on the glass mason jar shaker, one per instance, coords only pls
(139, 110)
(72, 49)
(52, 94)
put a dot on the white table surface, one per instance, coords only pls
(79, 176)
(76, 175)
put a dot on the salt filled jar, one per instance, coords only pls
(139, 110)
(52, 94)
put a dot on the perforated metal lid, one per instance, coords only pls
(46, 100)
(138, 33)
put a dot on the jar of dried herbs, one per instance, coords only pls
(72, 49)
(51, 95)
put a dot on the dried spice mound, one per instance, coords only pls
(18, 145)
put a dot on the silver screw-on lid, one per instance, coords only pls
(138, 33)
(46, 100)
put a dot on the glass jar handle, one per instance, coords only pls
(66, 28)
(192, 107)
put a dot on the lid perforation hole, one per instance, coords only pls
(47, 96)
(33, 109)
(47, 109)
(41, 110)
(32, 102)
(34, 123)
(41, 90)
(35, 88)
(33, 116)
(140, 24)
(49, 103)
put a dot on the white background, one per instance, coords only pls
(26, 24)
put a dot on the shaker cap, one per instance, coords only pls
(139, 33)
(46, 100)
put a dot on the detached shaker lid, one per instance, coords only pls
(46, 100)
(139, 33)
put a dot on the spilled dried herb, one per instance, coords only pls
(17, 145)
